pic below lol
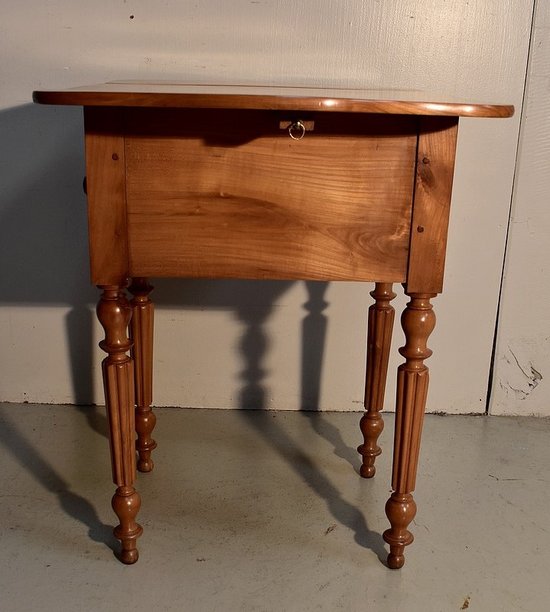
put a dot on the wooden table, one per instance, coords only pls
(266, 183)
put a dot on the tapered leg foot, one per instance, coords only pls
(400, 510)
(114, 314)
(418, 321)
(141, 332)
(380, 327)
(126, 503)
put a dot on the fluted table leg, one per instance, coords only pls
(141, 332)
(114, 314)
(418, 321)
(380, 327)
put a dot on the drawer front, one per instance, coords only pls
(214, 194)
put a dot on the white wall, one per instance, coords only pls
(228, 344)
(522, 365)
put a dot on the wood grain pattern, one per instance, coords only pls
(180, 95)
(432, 203)
(113, 312)
(380, 327)
(141, 333)
(106, 191)
(227, 194)
(418, 322)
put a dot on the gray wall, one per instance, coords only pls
(522, 366)
(233, 344)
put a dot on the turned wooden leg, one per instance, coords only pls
(141, 332)
(418, 321)
(114, 312)
(380, 327)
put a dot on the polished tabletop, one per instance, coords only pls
(172, 94)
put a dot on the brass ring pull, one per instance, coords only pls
(297, 130)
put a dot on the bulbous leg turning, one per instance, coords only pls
(114, 314)
(371, 425)
(380, 326)
(126, 503)
(141, 332)
(400, 510)
(418, 321)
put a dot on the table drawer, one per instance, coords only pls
(225, 193)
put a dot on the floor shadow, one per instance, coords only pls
(44, 262)
(70, 502)
(96, 417)
(344, 512)
(253, 348)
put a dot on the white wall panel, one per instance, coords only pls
(522, 365)
(220, 345)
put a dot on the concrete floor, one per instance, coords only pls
(251, 510)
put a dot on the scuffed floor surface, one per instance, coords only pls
(265, 511)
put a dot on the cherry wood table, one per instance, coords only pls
(266, 183)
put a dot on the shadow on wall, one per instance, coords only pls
(43, 240)
(44, 256)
